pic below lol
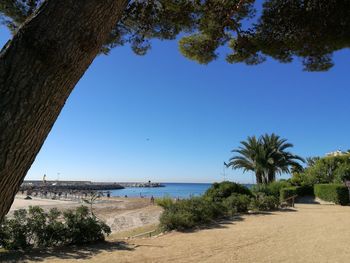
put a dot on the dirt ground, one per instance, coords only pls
(310, 233)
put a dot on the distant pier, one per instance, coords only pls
(149, 184)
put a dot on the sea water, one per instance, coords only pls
(174, 190)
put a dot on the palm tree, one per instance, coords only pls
(279, 160)
(311, 161)
(249, 158)
(266, 157)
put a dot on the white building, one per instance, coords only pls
(335, 153)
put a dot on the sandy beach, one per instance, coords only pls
(121, 214)
(21, 203)
(308, 233)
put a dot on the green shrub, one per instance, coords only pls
(180, 220)
(188, 213)
(336, 193)
(342, 174)
(298, 178)
(273, 188)
(237, 203)
(260, 189)
(219, 199)
(82, 227)
(220, 191)
(36, 228)
(304, 179)
(15, 231)
(288, 192)
(4, 233)
(262, 202)
(164, 202)
(55, 230)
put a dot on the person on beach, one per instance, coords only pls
(152, 200)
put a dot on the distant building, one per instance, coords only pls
(335, 153)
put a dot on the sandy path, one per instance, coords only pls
(312, 233)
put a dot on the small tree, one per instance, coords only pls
(92, 200)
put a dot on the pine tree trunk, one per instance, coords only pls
(39, 68)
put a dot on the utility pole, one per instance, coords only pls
(224, 171)
(58, 178)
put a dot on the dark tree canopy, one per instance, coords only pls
(15, 12)
(311, 30)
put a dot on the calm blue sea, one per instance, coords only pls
(175, 190)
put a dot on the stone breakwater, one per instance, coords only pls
(36, 185)
(142, 184)
(76, 187)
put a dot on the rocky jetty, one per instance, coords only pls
(68, 186)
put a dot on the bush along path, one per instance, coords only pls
(36, 228)
(219, 201)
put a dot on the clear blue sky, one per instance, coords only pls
(193, 116)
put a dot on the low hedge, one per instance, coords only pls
(336, 193)
(288, 192)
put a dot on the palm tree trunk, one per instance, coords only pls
(265, 179)
(258, 178)
(271, 176)
(39, 68)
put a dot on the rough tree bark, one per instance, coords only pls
(39, 68)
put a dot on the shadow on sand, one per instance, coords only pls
(307, 200)
(273, 212)
(226, 222)
(222, 223)
(73, 252)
